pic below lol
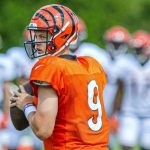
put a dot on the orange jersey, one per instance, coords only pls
(81, 121)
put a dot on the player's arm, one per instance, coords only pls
(114, 120)
(43, 120)
(118, 97)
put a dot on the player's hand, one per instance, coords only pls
(20, 99)
(114, 123)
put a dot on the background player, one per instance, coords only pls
(134, 72)
(116, 43)
(7, 75)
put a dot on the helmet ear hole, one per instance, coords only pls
(51, 49)
(56, 29)
(64, 36)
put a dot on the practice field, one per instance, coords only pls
(117, 147)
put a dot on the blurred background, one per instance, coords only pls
(97, 14)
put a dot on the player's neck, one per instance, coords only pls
(63, 52)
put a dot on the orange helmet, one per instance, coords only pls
(60, 22)
(140, 39)
(117, 34)
(116, 39)
(140, 43)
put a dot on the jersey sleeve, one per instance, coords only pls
(48, 73)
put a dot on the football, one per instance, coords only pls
(17, 116)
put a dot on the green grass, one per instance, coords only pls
(118, 147)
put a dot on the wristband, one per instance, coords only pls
(28, 108)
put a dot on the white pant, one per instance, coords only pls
(134, 130)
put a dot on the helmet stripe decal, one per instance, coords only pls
(43, 18)
(72, 20)
(61, 13)
(50, 15)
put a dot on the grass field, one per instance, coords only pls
(118, 147)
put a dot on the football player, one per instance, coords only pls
(116, 39)
(116, 44)
(7, 75)
(67, 110)
(134, 73)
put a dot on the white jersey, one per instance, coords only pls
(89, 49)
(136, 78)
(7, 72)
(22, 62)
(111, 88)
